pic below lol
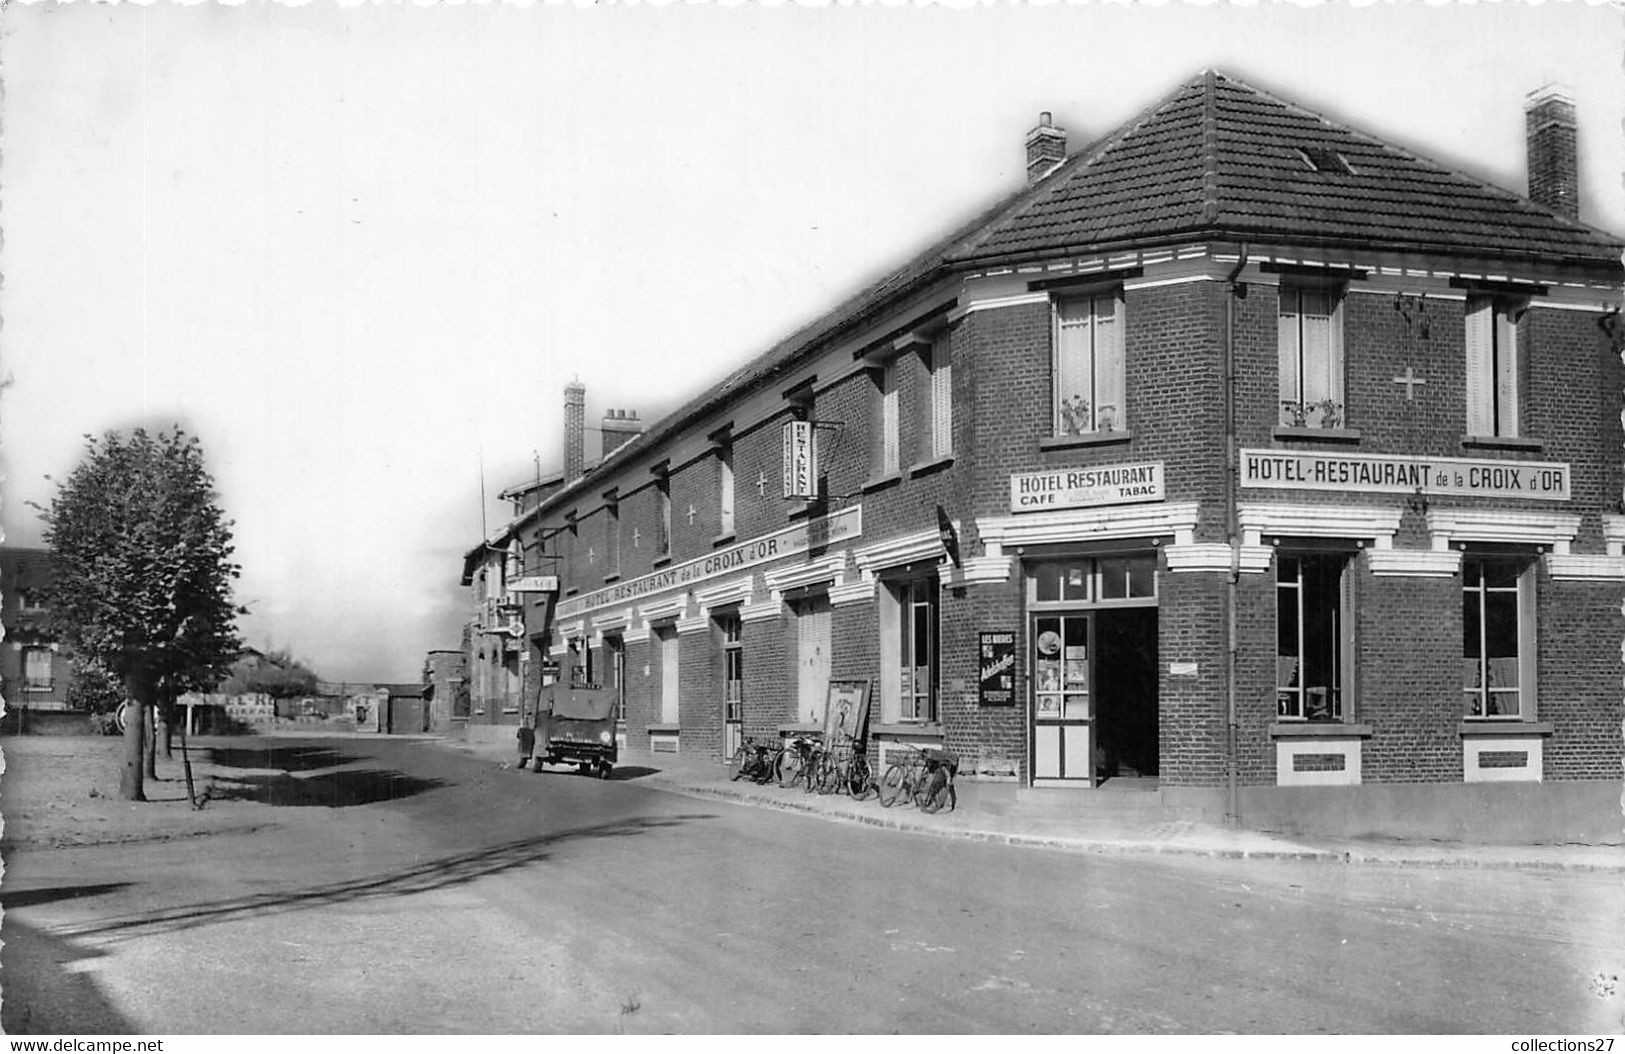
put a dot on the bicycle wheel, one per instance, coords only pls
(789, 769)
(829, 774)
(859, 779)
(891, 784)
(931, 793)
(736, 764)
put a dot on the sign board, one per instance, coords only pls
(997, 665)
(534, 584)
(846, 712)
(1076, 488)
(1399, 474)
(823, 531)
(800, 460)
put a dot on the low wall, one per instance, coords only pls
(1569, 812)
(45, 723)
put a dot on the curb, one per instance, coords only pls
(895, 821)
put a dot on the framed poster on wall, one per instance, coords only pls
(846, 713)
(996, 666)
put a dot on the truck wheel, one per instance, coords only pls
(604, 771)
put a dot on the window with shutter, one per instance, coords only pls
(1492, 367)
(1088, 364)
(886, 444)
(942, 408)
(1309, 337)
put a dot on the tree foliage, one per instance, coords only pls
(278, 674)
(142, 572)
(94, 688)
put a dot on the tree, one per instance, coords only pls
(278, 674)
(142, 574)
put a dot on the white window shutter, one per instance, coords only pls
(1286, 338)
(1110, 412)
(942, 403)
(888, 418)
(1334, 355)
(1480, 320)
(1528, 645)
(1506, 372)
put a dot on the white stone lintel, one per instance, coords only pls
(1414, 563)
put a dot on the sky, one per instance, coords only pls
(359, 251)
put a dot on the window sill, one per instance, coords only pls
(665, 730)
(572, 591)
(616, 577)
(1123, 437)
(1503, 726)
(794, 729)
(1312, 729)
(926, 467)
(661, 561)
(722, 539)
(880, 482)
(1501, 443)
(1316, 435)
(909, 728)
(807, 510)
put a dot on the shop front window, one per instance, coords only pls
(1495, 638)
(1313, 636)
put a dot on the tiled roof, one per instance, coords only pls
(1215, 158)
(1218, 157)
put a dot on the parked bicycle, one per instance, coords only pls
(797, 761)
(924, 778)
(754, 760)
(846, 769)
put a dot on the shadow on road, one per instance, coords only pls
(12, 899)
(47, 989)
(453, 870)
(331, 789)
(290, 758)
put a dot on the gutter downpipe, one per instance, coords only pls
(1234, 290)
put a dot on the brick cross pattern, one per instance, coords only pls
(691, 515)
(592, 556)
(761, 484)
(1410, 381)
(636, 534)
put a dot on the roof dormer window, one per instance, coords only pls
(1324, 159)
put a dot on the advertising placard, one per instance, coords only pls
(800, 460)
(996, 684)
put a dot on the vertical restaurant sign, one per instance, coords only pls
(1389, 474)
(996, 664)
(1073, 488)
(800, 460)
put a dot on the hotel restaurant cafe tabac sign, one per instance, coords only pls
(1121, 484)
(828, 530)
(1390, 474)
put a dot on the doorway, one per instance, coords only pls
(1126, 693)
(812, 658)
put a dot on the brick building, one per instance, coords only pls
(1239, 456)
(36, 670)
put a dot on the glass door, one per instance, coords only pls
(1062, 708)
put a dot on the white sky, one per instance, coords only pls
(353, 248)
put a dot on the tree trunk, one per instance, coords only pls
(150, 746)
(169, 715)
(186, 764)
(130, 786)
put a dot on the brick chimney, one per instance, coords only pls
(619, 428)
(1046, 148)
(1554, 172)
(575, 431)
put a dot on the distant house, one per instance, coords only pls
(36, 670)
(445, 673)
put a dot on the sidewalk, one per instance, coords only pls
(1013, 815)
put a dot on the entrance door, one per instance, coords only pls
(1126, 692)
(812, 659)
(1063, 733)
(667, 636)
(616, 649)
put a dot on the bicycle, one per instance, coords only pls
(796, 761)
(753, 760)
(846, 769)
(925, 779)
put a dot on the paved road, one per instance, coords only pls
(405, 887)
